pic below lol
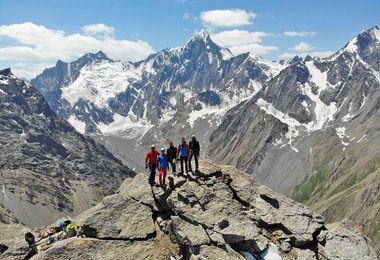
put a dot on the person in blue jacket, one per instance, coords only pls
(163, 166)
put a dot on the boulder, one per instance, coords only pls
(186, 233)
(138, 188)
(213, 252)
(12, 241)
(117, 216)
(89, 248)
(344, 240)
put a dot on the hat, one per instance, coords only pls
(152, 146)
(192, 136)
(162, 149)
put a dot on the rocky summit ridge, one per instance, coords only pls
(218, 213)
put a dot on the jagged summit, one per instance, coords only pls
(100, 55)
(94, 57)
(201, 38)
(218, 213)
(366, 41)
(6, 72)
(201, 35)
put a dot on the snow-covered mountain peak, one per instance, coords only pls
(366, 41)
(201, 35)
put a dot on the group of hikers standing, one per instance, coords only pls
(184, 153)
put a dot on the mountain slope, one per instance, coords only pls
(319, 129)
(47, 169)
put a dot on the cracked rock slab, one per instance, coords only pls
(138, 188)
(119, 217)
(213, 252)
(186, 233)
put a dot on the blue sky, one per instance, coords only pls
(34, 34)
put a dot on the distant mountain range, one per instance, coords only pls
(305, 127)
(48, 170)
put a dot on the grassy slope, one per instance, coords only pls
(346, 183)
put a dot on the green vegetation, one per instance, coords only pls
(303, 191)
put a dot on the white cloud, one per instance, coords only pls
(29, 70)
(36, 43)
(240, 41)
(303, 47)
(99, 29)
(238, 37)
(227, 18)
(299, 34)
(254, 48)
(319, 54)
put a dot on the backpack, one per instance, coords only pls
(70, 230)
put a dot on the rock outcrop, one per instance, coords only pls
(218, 213)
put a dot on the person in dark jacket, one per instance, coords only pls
(183, 152)
(31, 240)
(172, 155)
(194, 152)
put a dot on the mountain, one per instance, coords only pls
(220, 213)
(306, 127)
(166, 96)
(48, 169)
(313, 132)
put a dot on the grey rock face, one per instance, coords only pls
(47, 168)
(339, 239)
(219, 213)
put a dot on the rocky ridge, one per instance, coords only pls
(219, 213)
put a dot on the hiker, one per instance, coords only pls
(163, 166)
(172, 155)
(183, 153)
(46, 243)
(194, 151)
(151, 162)
(31, 240)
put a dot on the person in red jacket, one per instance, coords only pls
(183, 152)
(151, 162)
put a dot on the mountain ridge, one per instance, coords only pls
(217, 213)
(47, 168)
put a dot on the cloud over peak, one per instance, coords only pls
(302, 47)
(99, 29)
(241, 41)
(227, 18)
(299, 34)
